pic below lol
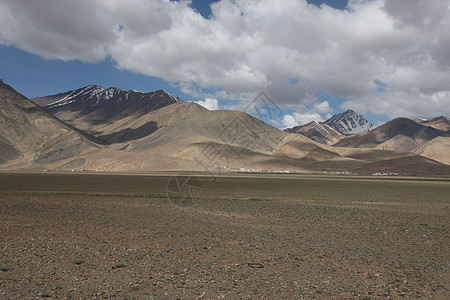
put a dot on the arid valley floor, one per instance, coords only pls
(119, 236)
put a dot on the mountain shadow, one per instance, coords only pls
(130, 134)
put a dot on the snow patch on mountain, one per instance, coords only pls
(94, 95)
(349, 122)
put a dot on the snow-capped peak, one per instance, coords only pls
(421, 120)
(171, 96)
(94, 96)
(349, 122)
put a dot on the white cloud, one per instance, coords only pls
(289, 121)
(323, 107)
(417, 13)
(247, 46)
(409, 104)
(211, 104)
(300, 118)
(308, 113)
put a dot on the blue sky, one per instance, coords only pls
(313, 60)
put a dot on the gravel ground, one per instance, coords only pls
(295, 237)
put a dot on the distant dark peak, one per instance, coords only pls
(439, 118)
(444, 118)
(109, 101)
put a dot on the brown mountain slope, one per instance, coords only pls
(437, 149)
(369, 155)
(132, 127)
(7, 151)
(213, 139)
(441, 123)
(318, 131)
(386, 161)
(28, 132)
(188, 136)
(408, 165)
(399, 143)
(228, 127)
(407, 134)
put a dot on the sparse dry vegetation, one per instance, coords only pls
(322, 237)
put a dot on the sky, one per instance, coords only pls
(311, 58)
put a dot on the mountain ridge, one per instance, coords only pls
(318, 131)
(404, 136)
(180, 135)
(441, 123)
(97, 93)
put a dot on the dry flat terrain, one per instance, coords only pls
(105, 236)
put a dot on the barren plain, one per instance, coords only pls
(87, 236)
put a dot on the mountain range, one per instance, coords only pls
(429, 138)
(442, 123)
(334, 129)
(97, 129)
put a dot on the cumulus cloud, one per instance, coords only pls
(292, 49)
(289, 121)
(209, 103)
(81, 29)
(323, 107)
(417, 13)
(300, 118)
(318, 112)
(410, 104)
